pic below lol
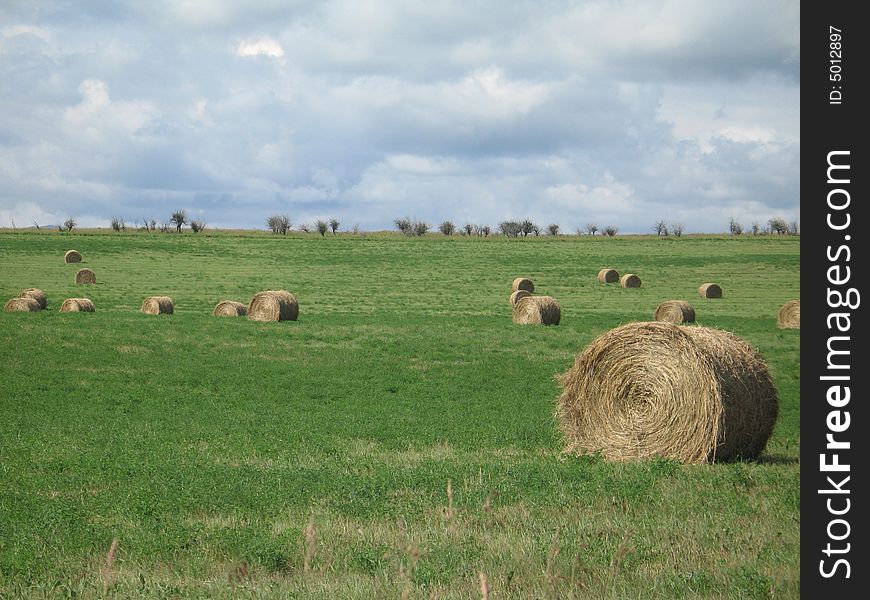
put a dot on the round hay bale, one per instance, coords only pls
(157, 305)
(35, 293)
(692, 394)
(608, 276)
(790, 315)
(77, 305)
(229, 308)
(86, 276)
(515, 296)
(675, 311)
(523, 283)
(25, 304)
(710, 290)
(72, 256)
(537, 310)
(273, 305)
(629, 280)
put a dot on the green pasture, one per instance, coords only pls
(397, 441)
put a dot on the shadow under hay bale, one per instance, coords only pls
(229, 308)
(537, 310)
(157, 305)
(26, 304)
(77, 305)
(656, 389)
(608, 276)
(35, 293)
(675, 311)
(72, 256)
(86, 276)
(273, 305)
(789, 315)
(523, 283)
(515, 296)
(629, 280)
(710, 290)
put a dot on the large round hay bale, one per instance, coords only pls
(608, 276)
(86, 276)
(515, 296)
(72, 256)
(77, 305)
(35, 293)
(273, 305)
(157, 305)
(790, 315)
(675, 311)
(26, 304)
(229, 308)
(537, 310)
(710, 290)
(629, 280)
(523, 283)
(692, 394)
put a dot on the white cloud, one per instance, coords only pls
(567, 112)
(264, 46)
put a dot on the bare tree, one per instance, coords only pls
(333, 225)
(447, 228)
(553, 229)
(794, 228)
(468, 228)
(510, 228)
(321, 227)
(118, 224)
(179, 219)
(610, 231)
(677, 229)
(197, 225)
(355, 229)
(591, 228)
(755, 228)
(484, 231)
(735, 227)
(778, 226)
(69, 224)
(527, 227)
(661, 228)
(405, 225)
(305, 228)
(420, 228)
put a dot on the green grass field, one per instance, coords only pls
(234, 459)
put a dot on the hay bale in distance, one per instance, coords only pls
(523, 283)
(790, 315)
(72, 256)
(229, 308)
(537, 310)
(710, 290)
(515, 296)
(77, 305)
(157, 305)
(35, 293)
(86, 276)
(629, 280)
(692, 394)
(25, 304)
(273, 305)
(675, 311)
(608, 276)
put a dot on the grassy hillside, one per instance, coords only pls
(397, 439)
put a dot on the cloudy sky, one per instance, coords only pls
(617, 113)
